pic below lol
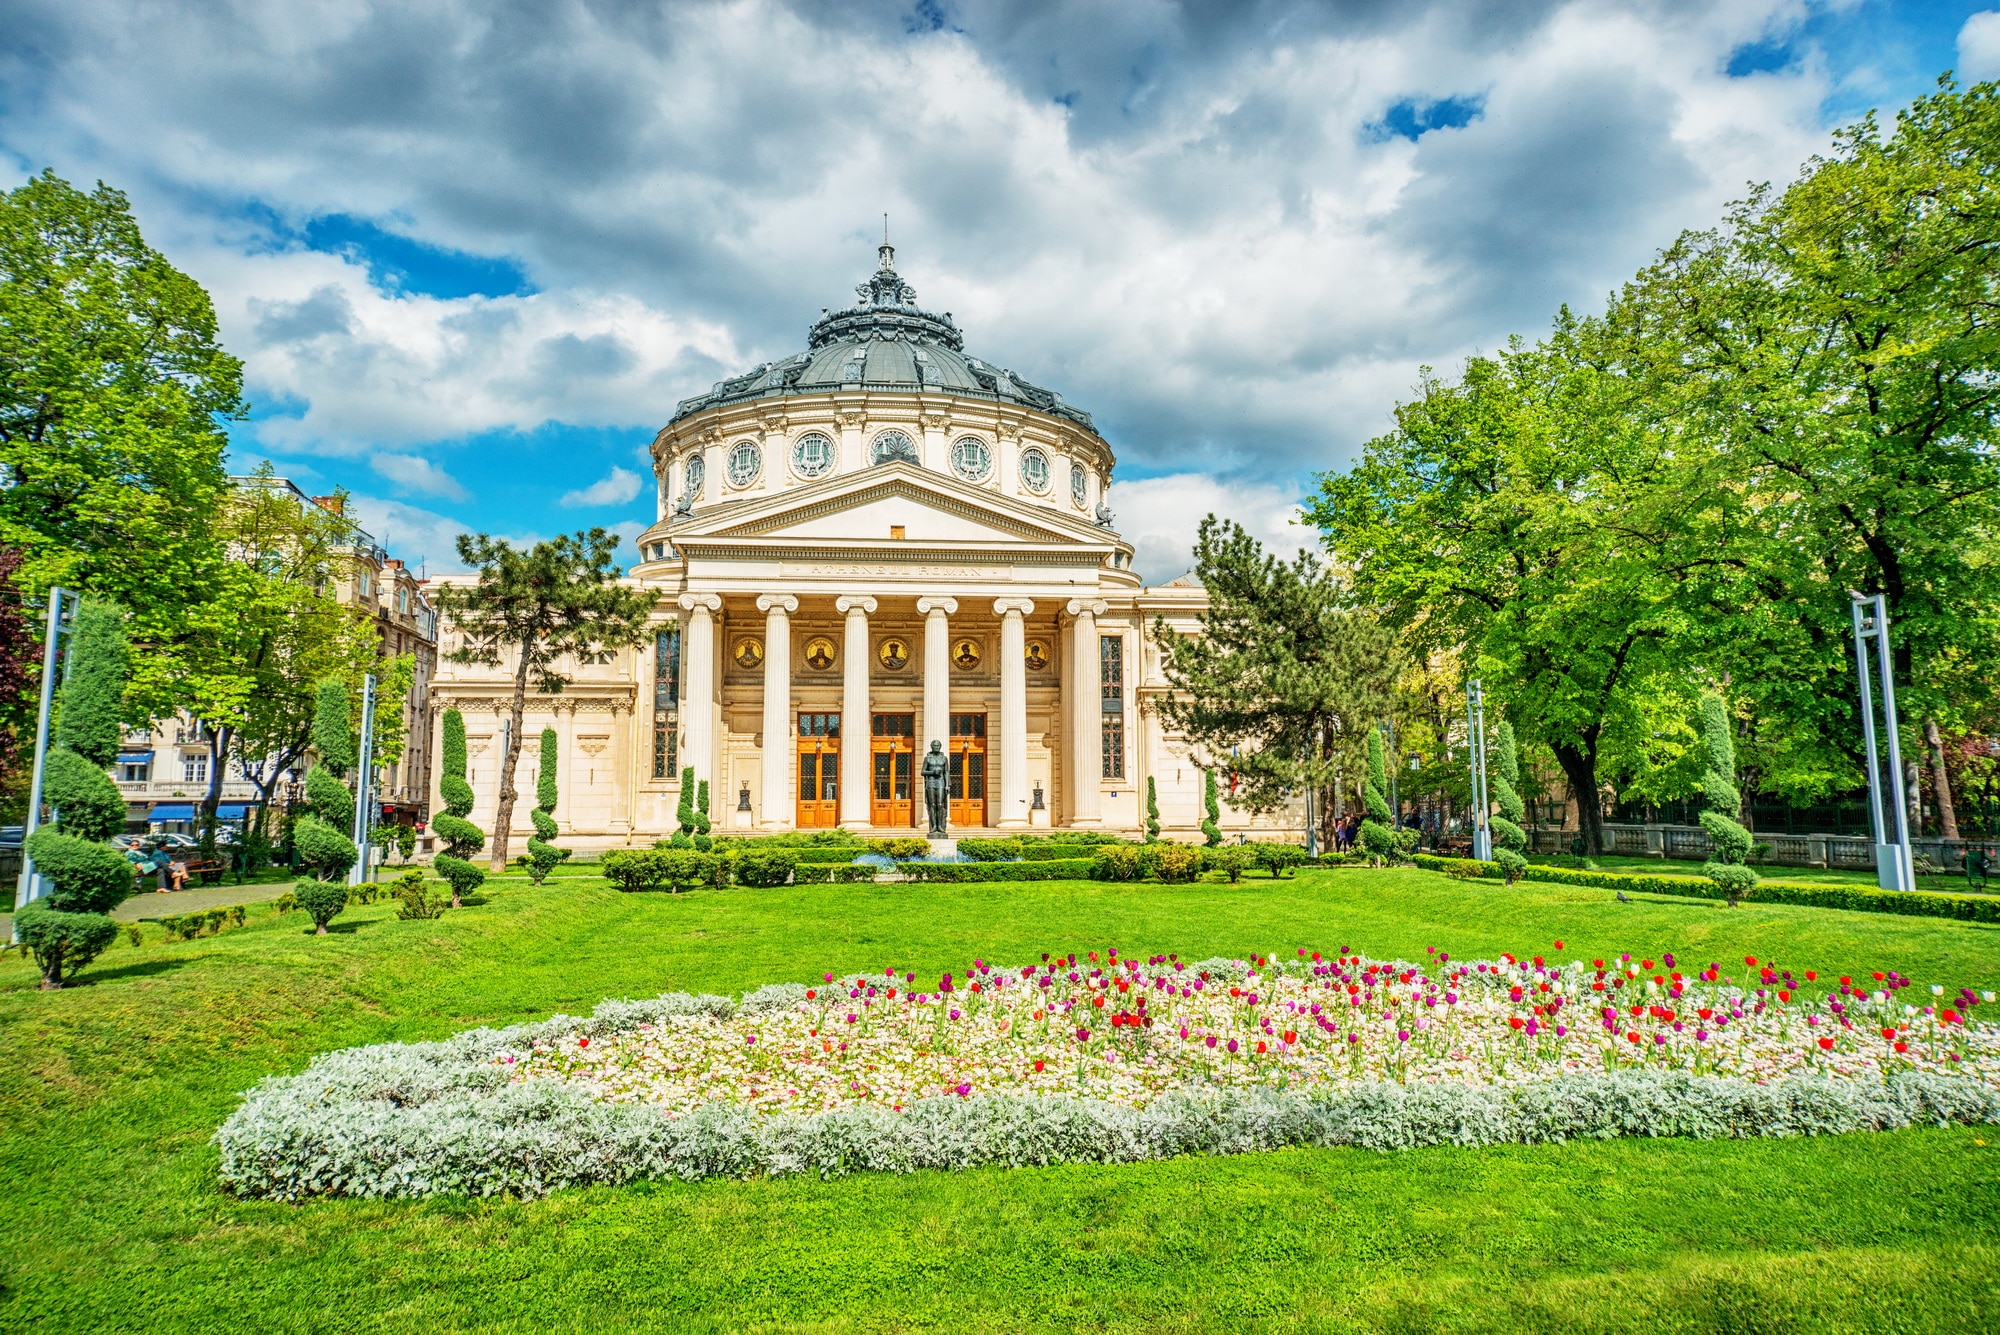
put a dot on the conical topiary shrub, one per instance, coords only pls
(1510, 841)
(1211, 822)
(462, 838)
(1152, 811)
(684, 812)
(1732, 843)
(543, 855)
(325, 849)
(1378, 828)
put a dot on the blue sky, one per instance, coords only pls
(473, 254)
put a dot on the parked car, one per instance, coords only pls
(11, 836)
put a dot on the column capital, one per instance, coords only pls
(1005, 606)
(855, 602)
(711, 602)
(1077, 607)
(782, 602)
(949, 606)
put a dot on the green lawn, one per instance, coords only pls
(113, 1221)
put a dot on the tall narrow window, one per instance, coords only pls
(666, 702)
(1111, 679)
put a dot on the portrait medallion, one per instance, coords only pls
(819, 653)
(1038, 656)
(965, 653)
(894, 654)
(749, 654)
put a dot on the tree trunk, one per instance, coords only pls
(218, 760)
(503, 816)
(1941, 781)
(1913, 799)
(1580, 768)
(319, 929)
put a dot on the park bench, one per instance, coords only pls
(207, 871)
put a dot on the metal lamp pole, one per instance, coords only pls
(1482, 833)
(62, 603)
(364, 784)
(1894, 867)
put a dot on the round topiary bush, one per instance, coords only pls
(322, 900)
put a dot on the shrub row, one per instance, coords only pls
(412, 1120)
(1034, 848)
(820, 873)
(1853, 898)
(188, 926)
(1053, 869)
(663, 868)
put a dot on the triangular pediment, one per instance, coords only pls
(873, 504)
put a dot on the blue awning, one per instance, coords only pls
(186, 810)
(134, 757)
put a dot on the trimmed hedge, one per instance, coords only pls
(635, 869)
(1852, 898)
(1050, 869)
(1028, 848)
(838, 873)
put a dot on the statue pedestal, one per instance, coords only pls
(943, 849)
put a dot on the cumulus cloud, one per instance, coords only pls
(617, 487)
(1979, 47)
(420, 475)
(1188, 219)
(1159, 516)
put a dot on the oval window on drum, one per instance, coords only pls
(1035, 470)
(1077, 486)
(746, 460)
(694, 475)
(812, 455)
(971, 459)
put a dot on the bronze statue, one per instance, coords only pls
(937, 788)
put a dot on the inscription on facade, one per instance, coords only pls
(833, 570)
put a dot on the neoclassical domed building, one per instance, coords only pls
(875, 543)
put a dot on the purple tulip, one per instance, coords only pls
(954, 1015)
(1232, 1045)
(1354, 1038)
(1402, 1035)
(1083, 1035)
(1210, 1040)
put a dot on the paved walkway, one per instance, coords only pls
(151, 904)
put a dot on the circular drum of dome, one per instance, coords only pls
(1035, 470)
(746, 461)
(812, 455)
(971, 459)
(891, 445)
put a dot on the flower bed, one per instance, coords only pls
(1116, 1059)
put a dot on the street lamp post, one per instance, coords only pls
(364, 784)
(1894, 867)
(62, 604)
(1482, 833)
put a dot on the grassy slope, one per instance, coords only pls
(110, 1092)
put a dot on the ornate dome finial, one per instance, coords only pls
(887, 251)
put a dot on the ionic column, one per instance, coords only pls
(937, 671)
(698, 699)
(854, 717)
(1086, 705)
(1013, 711)
(777, 609)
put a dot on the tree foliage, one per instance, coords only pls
(113, 395)
(559, 599)
(1283, 677)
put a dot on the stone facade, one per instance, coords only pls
(875, 545)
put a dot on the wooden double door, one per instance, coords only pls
(819, 771)
(895, 796)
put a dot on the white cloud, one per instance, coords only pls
(1159, 516)
(617, 487)
(1979, 47)
(423, 539)
(1172, 215)
(420, 475)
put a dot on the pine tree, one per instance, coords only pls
(1510, 840)
(322, 837)
(69, 927)
(1211, 827)
(1732, 843)
(1378, 829)
(1152, 811)
(542, 855)
(461, 836)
